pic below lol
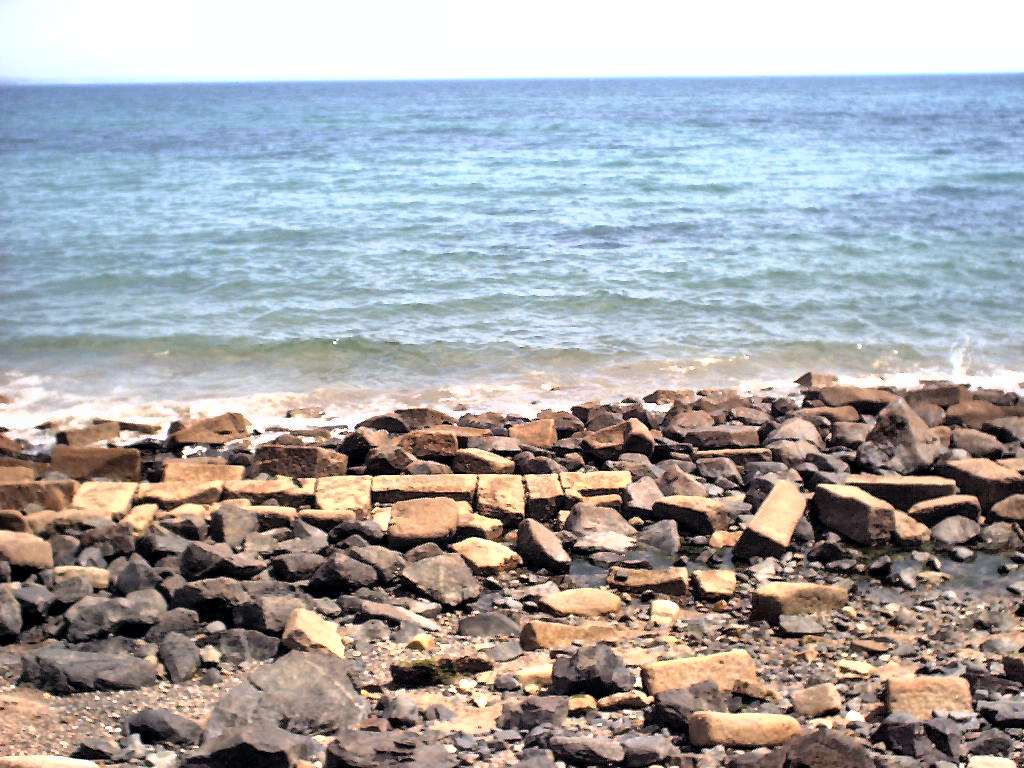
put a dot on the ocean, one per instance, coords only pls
(505, 244)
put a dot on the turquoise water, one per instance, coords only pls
(476, 241)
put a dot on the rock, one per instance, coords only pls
(437, 670)
(695, 515)
(988, 480)
(118, 464)
(587, 750)
(854, 513)
(502, 497)
(202, 560)
(216, 430)
(921, 695)
(489, 624)
(818, 700)
(723, 436)
(10, 615)
(714, 584)
(726, 669)
(743, 730)
(264, 746)
(361, 749)
(161, 726)
(770, 532)
(674, 706)
(955, 530)
(544, 496)
(583, 601)
(300, 692)
(795, 598)
(540, 433)
(662, 581)
(798, 625)
(60, 670)
(389, 489)
(180, 657)
(194, 471)
(908, 532)
(23, 550)
(341, 573)
(976, 443)
(540, 548)
(1010, 509)
(933, 511)
(646, 749)
(473, 461)
(114, 499)
(903, 438)
(486, 556)
(417, 521)
(171, 495)
(902, 491)
(989, 761)
(580, 485)
(594, 669)
(532, 711)
(444, 578)
(864, 400)
(827, 749)
(553, 635)
(308, 631)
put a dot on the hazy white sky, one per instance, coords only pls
(175, 40)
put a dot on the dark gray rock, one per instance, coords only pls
(340, 574)
(60, 670)
(595, 669)
(526, 714)
(587, 750)
(161, 726)
(180, 657)
(444, 578)
(540, 548)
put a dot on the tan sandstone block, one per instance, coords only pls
(113, 499)
(922, 695)
(502, 497)
(538, 634)
(190, 470)
(388, 489)
(170, 495)
(583, 601)
(744, 730)
(727, 669)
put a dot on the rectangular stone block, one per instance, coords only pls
(904, 491)
(502, 497)
(49, 494)
(387, 489)
(344, 494)
(854, 513)
(663, 581)
(289, 491)
(120, 464)
(171, 495)
(922, 695)
(544, 496)
(112, 499)
(190, 470)
(727, 669)
(299, 461)
(990, 481)
(582, 484)
(537, 634)
(17, 474)
(770, 532)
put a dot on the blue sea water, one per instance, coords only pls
(499, 241)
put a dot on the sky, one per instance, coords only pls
(210, 40)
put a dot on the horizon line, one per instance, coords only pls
(33, 82)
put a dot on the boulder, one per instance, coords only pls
(1010, 509)
(714, 584)
(61, 670)
(540, 548)
(473, 461)
(594, 669)
(863, 399)
(444, 578)
(903, 438)
(161, 726)
(502, 497)
(552, 635)
(216, 430)
(933, 511)
(854, 513)
(988, 480)
(299, 461)
(817, 700)
(904, 491)
(118, 464)
(695, 515)
(417, 521)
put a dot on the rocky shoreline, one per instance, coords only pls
(708, 578)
